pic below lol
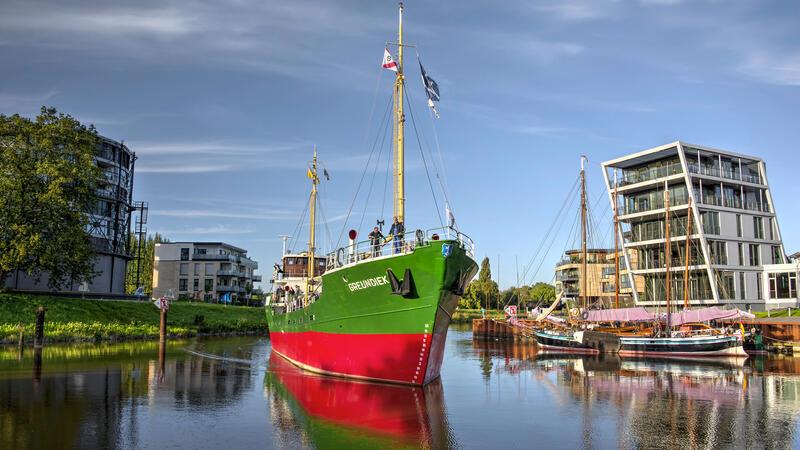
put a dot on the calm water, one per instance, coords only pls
(229, 393)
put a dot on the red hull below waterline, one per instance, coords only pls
(394, 358)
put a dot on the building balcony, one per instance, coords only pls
(649, 174)
(256, 278)
(221, 288)
(244, 260)
(212, 257)
(230, 273)
(565, 261)
(730, 174)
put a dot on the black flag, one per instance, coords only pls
(431, 89)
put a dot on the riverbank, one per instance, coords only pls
(77, 320)
(467, 315)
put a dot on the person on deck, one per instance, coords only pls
(397, 231)
(376, 239)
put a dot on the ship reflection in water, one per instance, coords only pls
(230, 393)
(335, 413)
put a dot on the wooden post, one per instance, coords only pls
(21, 347)
(38, 337)
(162, 331)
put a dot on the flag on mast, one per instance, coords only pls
(431, 89)
(388, 61)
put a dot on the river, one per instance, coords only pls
(226, 393)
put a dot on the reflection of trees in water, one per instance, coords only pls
(89, 397)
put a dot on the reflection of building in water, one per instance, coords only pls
(92, 397)
(686, 404)
(659, 403)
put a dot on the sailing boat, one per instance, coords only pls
(361, 314)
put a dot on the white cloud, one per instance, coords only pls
(577, 10)
(772, 67)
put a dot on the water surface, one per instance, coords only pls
(231, 393)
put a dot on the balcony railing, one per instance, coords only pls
(638, 176)
(222, 288)
(256, 278)
(212, 257)
(231, 273)
(724, 173)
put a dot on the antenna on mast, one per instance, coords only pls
(284, 238)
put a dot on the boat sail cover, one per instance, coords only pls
(706, 314)
(620, 315)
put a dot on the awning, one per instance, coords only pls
(706, 314)
(620, 315)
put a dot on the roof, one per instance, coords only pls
(656, 153)
(209, 244)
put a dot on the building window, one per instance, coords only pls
(184, 269)
(196, 285)
(710, 221)
(769, 228)
(725, 283)
(183, 284)
(777, 255)
(758, 286)
(196, 269)
(758, 227)
(719, 254)
(742, 290)
(208, 284)
(755, 255)
(209, 268)
(783, 285)
(184, 254)
(739, 225)
(741, 254)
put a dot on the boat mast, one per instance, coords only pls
(312, 203)
(584, 266)
(400, 118)
(688, 248)
(667, 253)
(616, 245)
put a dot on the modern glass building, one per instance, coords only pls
(721, 215)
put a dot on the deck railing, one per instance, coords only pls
(364, 250)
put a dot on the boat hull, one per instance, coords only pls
(562, 344)
(359, 328)
(694, 346)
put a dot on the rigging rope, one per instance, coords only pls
(424, 162)
(374, 173)
(361, 180)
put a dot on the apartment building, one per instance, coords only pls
(721, 215)
(108, 226)
(600, 281)
(206, 271)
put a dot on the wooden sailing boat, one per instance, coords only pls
(361, 314)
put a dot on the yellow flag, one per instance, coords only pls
(309, 174)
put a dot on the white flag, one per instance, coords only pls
(388, 61)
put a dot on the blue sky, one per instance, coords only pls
(223, 101)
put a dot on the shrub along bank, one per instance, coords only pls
(71, 319)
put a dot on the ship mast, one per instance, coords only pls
(688, 248)
(399, 163)
(616, 245)
(584, 267)
(312, 203)
(667, 254)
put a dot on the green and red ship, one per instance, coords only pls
(373, 311)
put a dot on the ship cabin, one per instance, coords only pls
(290, 277)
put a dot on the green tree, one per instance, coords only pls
(148, 251)
(483, 292)
(542, 292)
(48, 181)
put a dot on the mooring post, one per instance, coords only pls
(38, 337)
(162, 331)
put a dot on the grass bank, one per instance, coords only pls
(69, 319)
(466, 315)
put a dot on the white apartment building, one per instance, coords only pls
(205, 271)
(736, 254)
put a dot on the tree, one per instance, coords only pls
(482, 292)
(48, 181)
(543, 292)
(148, 252)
